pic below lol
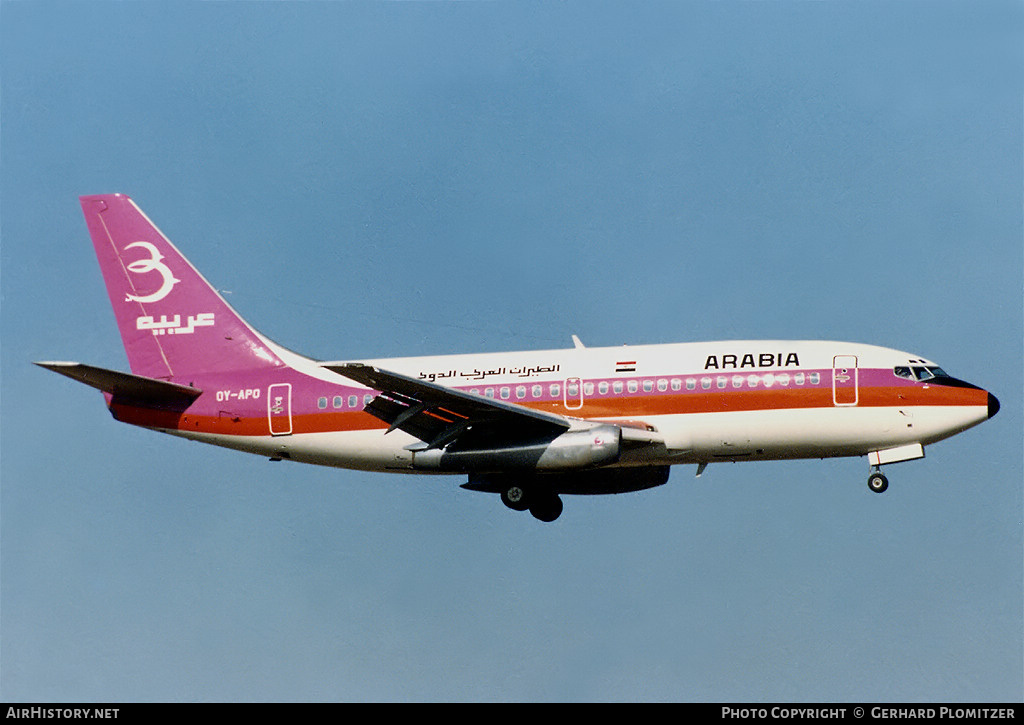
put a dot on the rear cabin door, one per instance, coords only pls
(844, 380)
(279, 409)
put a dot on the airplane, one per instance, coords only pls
(529, 426)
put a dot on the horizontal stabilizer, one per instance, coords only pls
(127, 388)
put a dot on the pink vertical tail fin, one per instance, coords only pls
(172, 321)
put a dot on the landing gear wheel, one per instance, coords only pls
(515, 498)
(877, 482)
(547, 507)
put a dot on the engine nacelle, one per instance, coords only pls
(574, 450)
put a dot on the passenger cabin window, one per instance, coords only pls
(321, 403)
(602, 387)
(537, 391)
(337, 402)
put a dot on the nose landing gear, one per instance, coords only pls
(877, 481)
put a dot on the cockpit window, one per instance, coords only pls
(919, 372)
(922, 373)
(902, 371)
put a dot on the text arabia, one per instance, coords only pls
(750, 360)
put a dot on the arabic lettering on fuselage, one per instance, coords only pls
(526, 371)
(172, 325)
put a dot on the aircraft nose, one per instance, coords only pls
(993, 405)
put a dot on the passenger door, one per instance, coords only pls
(844, 380)
(279, 409)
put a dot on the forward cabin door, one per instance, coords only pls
(844, 380)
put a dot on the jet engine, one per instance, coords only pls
(599, 445)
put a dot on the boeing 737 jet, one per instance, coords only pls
(528, 426)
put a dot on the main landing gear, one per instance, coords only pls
(877, 481)
(544, 504)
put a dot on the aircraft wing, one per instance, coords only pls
(438, 415)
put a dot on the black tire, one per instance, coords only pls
(515, 498)
(877, 482)
(546, 507)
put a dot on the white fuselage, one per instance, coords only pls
(732, 400)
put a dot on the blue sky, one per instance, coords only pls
(367, 180)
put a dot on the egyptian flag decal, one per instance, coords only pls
(628, 366)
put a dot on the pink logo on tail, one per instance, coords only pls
(153, 264)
